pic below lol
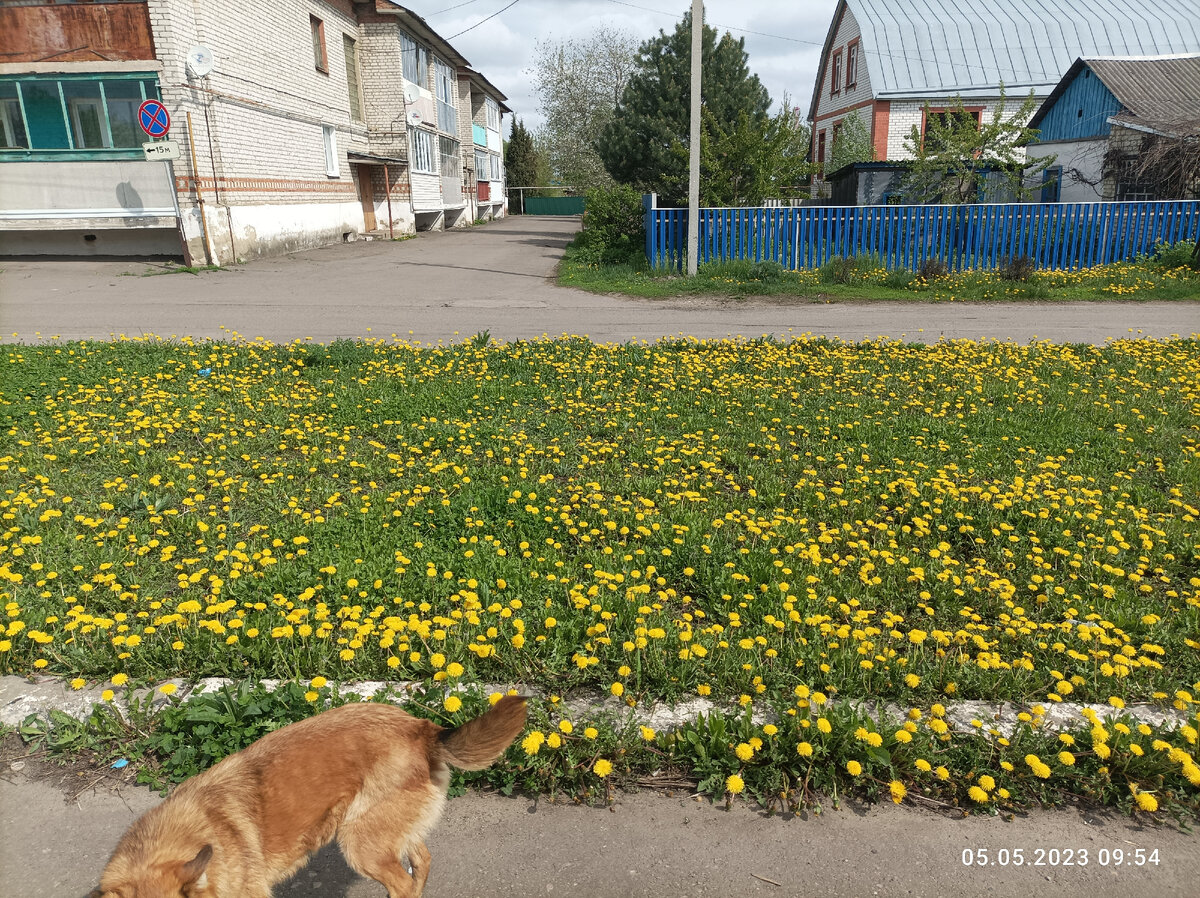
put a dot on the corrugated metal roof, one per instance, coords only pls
(945, 47)
(1158, 93)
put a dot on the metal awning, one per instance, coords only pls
(373, 159)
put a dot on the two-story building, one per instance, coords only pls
(892, 62)
(298, 123)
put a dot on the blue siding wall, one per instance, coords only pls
(1082, 111)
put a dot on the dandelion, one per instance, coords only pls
(590, 733)
(922, 765)
(1145, 801)
(804, 749)
(312, 695)
(602, 767)
(565, 726)
(647, 733)
(107, 695)
(898, 791)
(617, 689)
(734, 784)
(987, 782)
(533, 742)
(78, 683)
(317, 682)
(452, 703)
(1038, 766)
(168, 688)
(853, 768)
(1066, 759)
(978, 795)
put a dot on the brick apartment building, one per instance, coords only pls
(299, 123)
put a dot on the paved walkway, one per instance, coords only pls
(499, 278)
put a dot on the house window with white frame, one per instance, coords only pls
(835, 73)
(444, 83)
(12, 125)
(483, 166)
(329, 136)
(493, 114)
(852, 64)
(414, 61)
(421, 152)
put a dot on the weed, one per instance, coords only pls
(1017, 268)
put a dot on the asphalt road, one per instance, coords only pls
(499, 278)
(54, 843)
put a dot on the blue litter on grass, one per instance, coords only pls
(117, 765)
(204, 372)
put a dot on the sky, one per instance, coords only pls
(783, 39)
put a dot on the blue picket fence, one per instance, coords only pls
(1054, 235)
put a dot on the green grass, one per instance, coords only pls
(1164, 277)
(752, 521)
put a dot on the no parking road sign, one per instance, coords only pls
(154, 118)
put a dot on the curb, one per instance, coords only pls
(20, 697)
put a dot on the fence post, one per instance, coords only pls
(649, 201)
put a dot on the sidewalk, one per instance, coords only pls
(487, 846)
(497, 278)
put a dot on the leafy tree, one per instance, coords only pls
(749, 161)
(653, 116)
(520, 158)
(852, 144)
(961, 160)
(579, 83)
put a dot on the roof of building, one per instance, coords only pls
(1160, 93)
(930, 48)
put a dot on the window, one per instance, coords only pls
(49, 117)
(835, 75)
(483, 166)
(444, 82)
(318, 39)
(493, 114)
(415, 61)
(350, 46)
(331, 158)
(948, 119)
(12, 125)
(820, 148)
(1052, 184)
(421, 151)
(448, 150)
(851, 64)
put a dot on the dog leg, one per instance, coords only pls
(381, 862)
(420, 859)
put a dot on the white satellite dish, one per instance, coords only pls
(199, 61)
(414, 117)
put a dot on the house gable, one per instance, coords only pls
(1080, 111)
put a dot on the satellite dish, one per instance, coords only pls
(414, 117)
(199, 61)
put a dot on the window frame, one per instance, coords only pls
(320, 50)
(421, 152)
(493, 109)
(353, 78)
(975, 112)
(420, 59)
(333, 168)
(443, 82)
(70, 150)
(835, 72)
(853, 57)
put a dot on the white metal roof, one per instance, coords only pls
(931, 47)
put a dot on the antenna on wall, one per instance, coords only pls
(199, 61)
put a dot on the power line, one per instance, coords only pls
(481, 21)
(448, 8)
(798, 40)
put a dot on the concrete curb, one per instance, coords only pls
(20, 697)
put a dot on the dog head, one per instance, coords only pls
(167, 879)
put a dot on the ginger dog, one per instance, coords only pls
(369, 775)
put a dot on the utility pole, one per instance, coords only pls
(693, 236)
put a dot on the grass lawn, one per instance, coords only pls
(769, 524)
(1164, 277)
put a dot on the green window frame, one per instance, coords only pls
(84, 117)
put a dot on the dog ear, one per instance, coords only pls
(193, 871)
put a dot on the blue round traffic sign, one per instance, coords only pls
(154, 118)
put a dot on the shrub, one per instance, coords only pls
(614, 225)
(767, 270)
(899, 279)
(1017, 268)
(933, 269)
(1176, 255)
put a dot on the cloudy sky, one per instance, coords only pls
(783, 40)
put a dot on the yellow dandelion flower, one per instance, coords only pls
(978, 795)
(78, 683)
(804, 749)
(452, 703)
(743, 751)
(853, 768)
(734, 784)
(898, 791)
(602, 767)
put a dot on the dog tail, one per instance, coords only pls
(479, 742)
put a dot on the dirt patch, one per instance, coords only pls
(72, 774)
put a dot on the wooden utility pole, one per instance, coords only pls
(693, 236)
